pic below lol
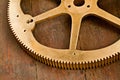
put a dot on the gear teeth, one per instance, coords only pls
(65, 65)
(77, 65)
(59, 64)
(118, 56)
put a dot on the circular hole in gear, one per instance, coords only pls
(88, 6)
(79, 2)
(17, 16)
(69, 6)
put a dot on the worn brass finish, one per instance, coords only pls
(23, 24)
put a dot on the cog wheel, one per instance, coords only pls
(23, 24)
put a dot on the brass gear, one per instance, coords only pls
(23, 24)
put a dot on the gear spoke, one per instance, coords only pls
(107, 16)
(51, 13)
(76, 22)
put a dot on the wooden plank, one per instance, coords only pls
(15, 64)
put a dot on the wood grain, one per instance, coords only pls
(15, 64)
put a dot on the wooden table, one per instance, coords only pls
(15, 64)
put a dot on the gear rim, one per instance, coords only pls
(66, 64)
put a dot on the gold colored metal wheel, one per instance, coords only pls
(23, 24)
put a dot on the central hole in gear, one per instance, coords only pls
(79, 2)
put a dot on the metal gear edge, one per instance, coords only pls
(64, 65)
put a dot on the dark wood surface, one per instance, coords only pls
(15, 64)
